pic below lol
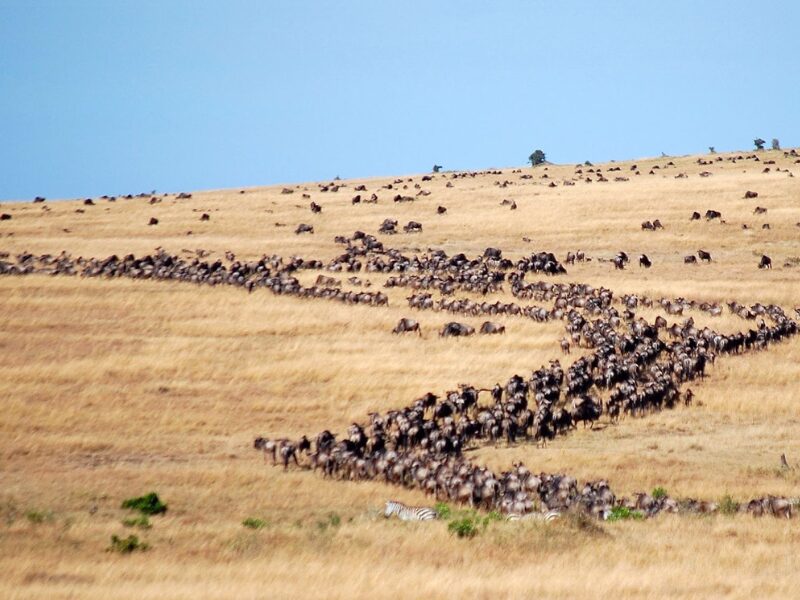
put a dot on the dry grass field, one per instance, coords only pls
(114, 388)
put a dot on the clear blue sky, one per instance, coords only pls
(111, 97)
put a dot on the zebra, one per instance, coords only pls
(408, 513)
(544, 517)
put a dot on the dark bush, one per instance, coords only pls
(147, 505)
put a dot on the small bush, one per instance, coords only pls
(623, 513)
(39, 516)
(126, 545)
(659, 493)
(147, 505)
(333, 521)
(492, 516)
(141, 522)
(253, 523)
(728, 506)
(443, 511)
(464, 527)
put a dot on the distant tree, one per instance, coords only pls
(759, 143)
(537, 157)
(588, 163)
(437, 168)
(776, 145)
(711, 150)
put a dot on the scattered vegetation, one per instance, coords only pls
(659, 492)
(147, 505)
(332, 521)
(469, 523)
(127, 545)
(759, 143)
(776, 145)
(443, 510)
(712, 150)
(537, 157)
(437, 168)
(623, 513)
(254, 523)
(728, 506)
(39, 516)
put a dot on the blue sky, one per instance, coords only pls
(113, 97)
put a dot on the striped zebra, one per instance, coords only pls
(544, 517)
(408, 513)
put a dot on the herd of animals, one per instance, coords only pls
(630, 367)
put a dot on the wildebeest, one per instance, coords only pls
(759, 210)
(648, 226)
(706, 256)
(304, 228)
(691, 259)
(315, 208)
(205, 217)
(441, 210)
(713, 214)
(695, 216)
(490, 328)
(412, 227)
(766, 262)
(657, 224)
(405, 325)
(645, 262)
(454, 329)
(5, 217)
(153, 221)
(748, 194)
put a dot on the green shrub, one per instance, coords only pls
(443, 511)
(39, 516)
(253, 523)
(493, 515)
(728, 506)
(332, 521)
(126, 545)
(147, 505)
(464, 527)
(659, 493)
(141, 522)
(623, 513)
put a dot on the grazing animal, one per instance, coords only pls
(645, 262)
(492, 328)
(315, 208)
(205, 217)
(5, 217)
(706, 256)
(691, 259)
(657, 224)
(748, 195)
(766, 262)
(454, 329)
(153, 221)
(759, 210)
(713, 214)
(408, 513)
(405, 325)
(543, 517)
(304, 228)
(441, 210)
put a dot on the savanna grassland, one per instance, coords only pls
(113, 388)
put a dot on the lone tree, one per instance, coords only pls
(712, 150)
(776, 145)
(759, 143)
(536, 158)
(437, 168)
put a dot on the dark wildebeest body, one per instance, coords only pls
(454, 329)
(706, 256)
(766, 262)
(645, 262)
(491, 328)
(406, 325)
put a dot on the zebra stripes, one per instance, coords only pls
(408, 513)
(544, 517)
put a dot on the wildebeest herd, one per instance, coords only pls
(630, 367)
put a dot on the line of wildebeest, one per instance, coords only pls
(628, 370)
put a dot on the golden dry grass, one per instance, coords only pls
(114, 388)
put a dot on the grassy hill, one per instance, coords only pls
(113, 388)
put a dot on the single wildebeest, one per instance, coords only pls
(406, 325)
(766, 262)
(153, 221)
(441, 210)
(657, 224)
(648, 225)
(759, 210)
(619, 262)
(304, 228)
(706, 256)
(695, 216)
(205, 217)
(645, 262)
(454, 329)
(5, 217)
(765, 226)
(691, 259)
(489, 327)
(713, 214)
(412, 227)
(315, 208)
(748, 194)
